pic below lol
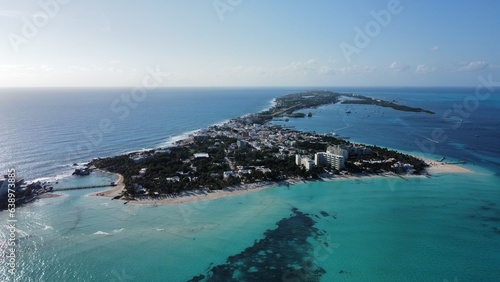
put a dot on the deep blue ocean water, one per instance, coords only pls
(468, 135)
(443, 228)
(45, 131)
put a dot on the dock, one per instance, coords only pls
(84, 187)
(455, 163)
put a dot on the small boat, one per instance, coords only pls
(81, 171)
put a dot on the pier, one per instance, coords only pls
(84, 187)
(455, 163)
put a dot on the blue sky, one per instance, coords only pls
(249, 42)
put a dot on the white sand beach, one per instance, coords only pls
(436, 167)
(115, 191)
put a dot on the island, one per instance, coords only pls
(249, 152)
(363, 100)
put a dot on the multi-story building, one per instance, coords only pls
(328, 158)
(304, 161)
(338, 150)
(345, 151)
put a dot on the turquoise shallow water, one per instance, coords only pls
(443, 228)
(377, 229)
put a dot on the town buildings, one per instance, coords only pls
(330, 159)
(304, 161)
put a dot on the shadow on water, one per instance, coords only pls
(77, 221)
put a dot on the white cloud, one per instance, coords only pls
(424, 69)
(326, 70)
(399, 67)
(47, 68)
(242, 69)
(295, 69)
(11, 14)
(357, 69)
(435, 48)
(474, 66)
(30, 68)
(8, 67)
(115, 70)
(77, 68)
(301, 66)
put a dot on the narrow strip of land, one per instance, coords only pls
(249, 154)
(435, 167)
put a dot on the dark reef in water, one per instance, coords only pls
(489, 215)
(284, 254)
(197, 278)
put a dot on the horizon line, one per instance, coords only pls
(310, 86)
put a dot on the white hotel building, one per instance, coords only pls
(328, 158)
(304, 161)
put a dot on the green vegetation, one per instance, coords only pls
(363, 100)
(173, 172)
(247, 150)
(297, 115)
(178, 170)
(288, 104)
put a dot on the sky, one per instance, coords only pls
(195, 43)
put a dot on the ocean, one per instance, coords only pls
(45, 131)
(442, 228)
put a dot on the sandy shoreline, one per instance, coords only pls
(435, 167)
(113, 192)
(202, 195)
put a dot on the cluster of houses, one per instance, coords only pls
(139, 157)
(258, 137)
(241, 171)
(253, 135)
